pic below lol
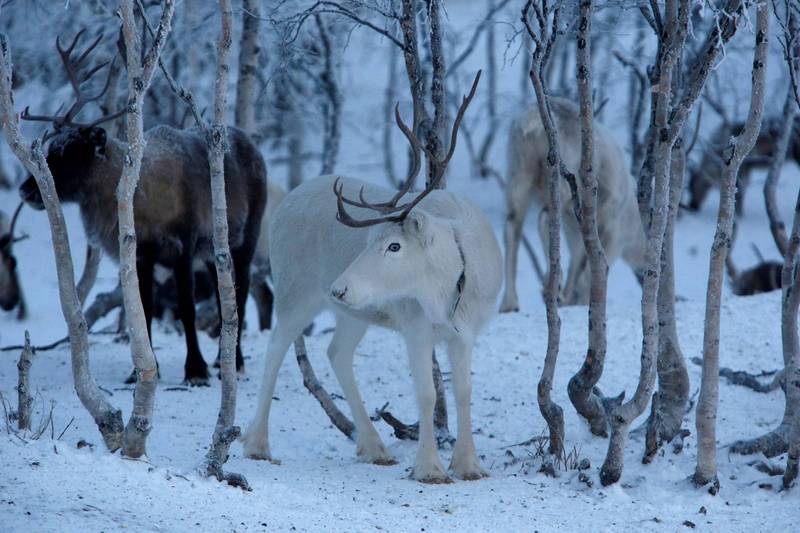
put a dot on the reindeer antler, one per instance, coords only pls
(388, 208)
(9, 239)
(77, 76)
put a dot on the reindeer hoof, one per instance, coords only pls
(471, 474)
(509, 307)
(131, 379)
(196, 381)
(431, 476)
(436, 480)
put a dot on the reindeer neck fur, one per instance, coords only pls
(98, 198)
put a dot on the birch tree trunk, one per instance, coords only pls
(107, 418)
(776, 225)
(249, 52)
(225, 432)
(90, 269)
(669, 402)
(620, 415)
(791, 349)
(140, 74)
(24, 399)
(333, 116)
(706, 470)
(583, 382)
(543, 43)
(776, 441)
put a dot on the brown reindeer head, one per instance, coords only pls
(10, 293)
(73, 145)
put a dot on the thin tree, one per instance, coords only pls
(620, 415)
(225, 432)
(791, 349)
(706, 470)
(582, 384)
(249, 53)
(108, 419)
(544, 38)
(140, 74)
(776, 441)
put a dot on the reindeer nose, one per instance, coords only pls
(339, 293)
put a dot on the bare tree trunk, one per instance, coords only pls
(313, 385)
(791, 350)
(24, 399)
(388, 115)
(583, 382)
(706, 471)
(333, 118)
(90, 268)
(776, 225)
(543, 43)
(295, 146)
(225, 432)
(247, 83)
(140, 74)
(108, 419)
(621, 415)
(669, 402)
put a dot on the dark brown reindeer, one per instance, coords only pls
(706, 174)
(10, 289)
(172, 206)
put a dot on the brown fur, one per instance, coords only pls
(172, 208)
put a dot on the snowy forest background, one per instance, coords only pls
(325, 94)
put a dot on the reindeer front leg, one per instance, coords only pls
(428, 467)
(464, 463)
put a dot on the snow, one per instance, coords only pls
(50, 484)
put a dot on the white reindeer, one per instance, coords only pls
(618, 218)
(429, 268)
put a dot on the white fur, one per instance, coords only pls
(411, 291)
(275, 195)
(618, 218)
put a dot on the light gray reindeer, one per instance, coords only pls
(429, 268)
(618, 218)
(10, 289)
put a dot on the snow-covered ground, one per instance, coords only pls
(52, 485)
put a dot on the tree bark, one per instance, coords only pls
(24, 399)
(543, 43)
(90, 269)
(776, 225)
(225, 431)
(582, 384)
(249, 52)
(791, 350)
(669, 402)
(706, 470)
(333, 115)
(140, 74)
(621, 415)
(107, 418)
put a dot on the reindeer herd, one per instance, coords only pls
(426, 264)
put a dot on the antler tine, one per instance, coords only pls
(14, 218)
(344, 217)
(26, 115)
(465, 101)
(75, 40)
(85, 53)
(105, 118)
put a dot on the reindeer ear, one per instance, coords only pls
(420, 225)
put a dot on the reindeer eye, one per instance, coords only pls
(394, 247)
